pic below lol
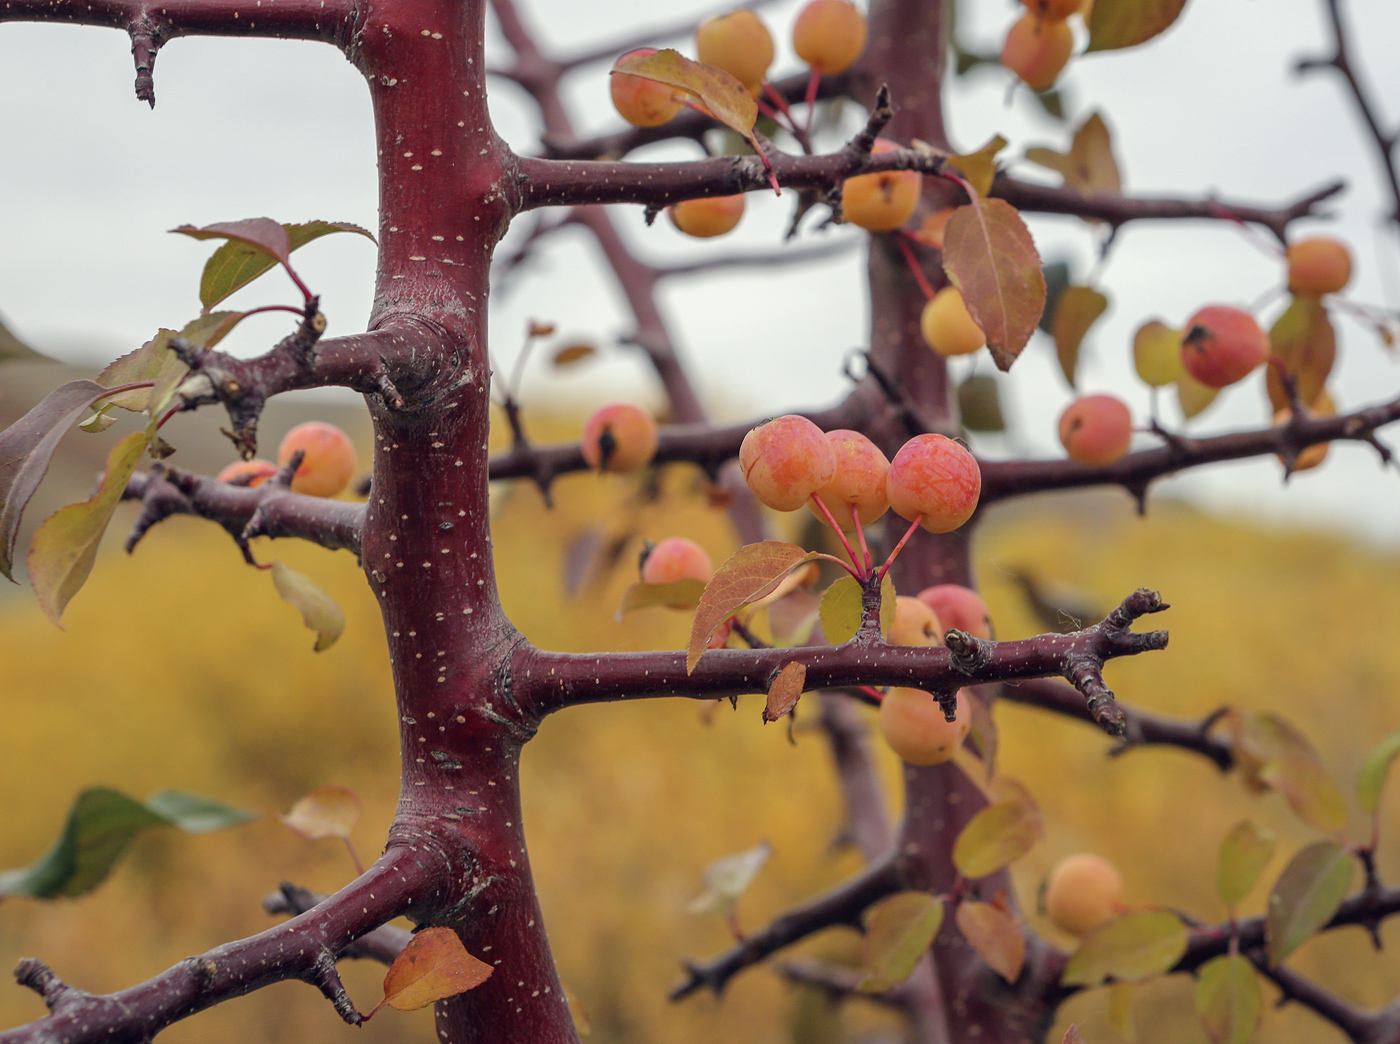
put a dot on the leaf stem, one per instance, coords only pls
(915, 268)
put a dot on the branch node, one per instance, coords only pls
(325, 978)
(39, 977)
(145, 43)
(970, 653)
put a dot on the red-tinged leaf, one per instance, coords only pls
(1073, 1036)
(980, 167)
(1228, 999)
(65, 546)
(1305, 897)
(745, 577)
(720, 92)
(144, 364)
(1244, 854)
(26, 447)
(841, 609)
(1370, 780)
(1077, 309)
(433, 966)
(898, 929)
(236, 264)
(997, 835)
(1115, 24)
(329, 811)
(1089, 167)
(573, 353)
(729, 877)
(211, 328)
(1303, 338)
(678, 594)
(990, 256)
(318, 611)
(785, 691)
(1132, 947)
(261, 234)
(996, 937)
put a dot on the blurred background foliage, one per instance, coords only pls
(181, 668)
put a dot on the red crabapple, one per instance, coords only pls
(676, 558)
(1096, 429)
(1037, 49)
(883, 201)
(960, 607)
(914, 623)
(1222, 344)
(705, 218)
(785, 461)
(934, 477)
(739, 43)
(914, 726)
(947, 325)
(1318, 265)
(248, 472)
(328, 463)
(1082, 892)
(859, 480)
(829, 35)
(642, 102)
(619, 437)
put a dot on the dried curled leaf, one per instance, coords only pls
(328, 811)
(1089, 167)
(990, 256)
(433, 966)
(318, 611)
(1077, 309)
(785, 691)
(729, 877)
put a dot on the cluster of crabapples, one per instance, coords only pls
(1039, 43)
(327, 464)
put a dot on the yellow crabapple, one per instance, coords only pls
(739, 43)
(1037, 49)
(1082, 892)
(914, 623)
(959, 607)
(1318, 265)
(706, 218)
(882, 201)
(948, 327)
(328, 461)
(642, 102)
(829, 35)
(619, 437)
(914, 726)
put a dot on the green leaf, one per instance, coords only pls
(745, 577)
(211, 328)
(1370, 781)
(101, 823)
(995, 935)
(1305, 897)
(1303, 338)
(990, 257)
(898, 929)
(1228, 999)
(728, 100)
(729, 877)
(1120, 1010)
(1272, 753)
(841, 608)
(65, 545)
(678, 594)
(26, 447)
(1132, 947)
(1115, 24)
(979, 404)
(318, 611)
(980, 167)
(1078, 308)
(997, 835)
(1244, 853)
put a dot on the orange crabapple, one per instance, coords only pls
(1318, 265)
(959, 607)
(934, 479)
(859, 480)
(883, 201)
(675, 558)
(328, 461)
(914, 623)
(705, 218)
(916, 729)
(642, 102)
(1056, 10)
(739, 43)
(829, 35)
(619, 437)
(1037, 49)
(785, 461)
(1082, 892)
(1222, 344)
(1096, 429)
(248, 472)
(947, 325)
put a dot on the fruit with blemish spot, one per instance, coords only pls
(1222, 344)
(947, 325)
(882, 201)
(1037, 49)
(785, 461)
(959, 607)
(248, 472)
(328, 463)
(829, 35)
(739, 43)
(914, 726)
(1082, 892)
(676, 558)
(642, 102)
(859, 480)
(619, 437)
(706, 218)
(1096, 430)
(936, 478)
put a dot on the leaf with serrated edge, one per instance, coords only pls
(236, 264)
(1133, 946)
(144, 364)
(994, 934)
(211, 328)
(26, 447)
(729, 877)
(1303, 339)
(1078, 308)
(1244, 853)
(433, 966)
(678, 594)
(1115, 24)
(785, 691)
(65, 545)
(997, 835)
(318, 611)
(1228, 999)
(990, 256)
(980, 167)
(328, 811)
(1370, 781)
(898, 929)
(728, 100)
(1305, 897)
(743, 578)
(168, 378)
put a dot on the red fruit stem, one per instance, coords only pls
(874, 693)
(810, 99)
(857, 572)
(913, 527)
(914, 267)
(860, 534)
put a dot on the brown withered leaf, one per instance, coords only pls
(1089, 166)
(435, 965)
(994, 934)
(785, 691)
(328, 811)
(990, 256)
(1303, 338)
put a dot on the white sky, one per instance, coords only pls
(91, 179)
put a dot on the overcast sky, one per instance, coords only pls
(91, 180)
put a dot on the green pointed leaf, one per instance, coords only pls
(745, 577)
(995, 935)
(1303, 338)
(12, 349)
(168, 379)
(841, 609)
(1115, 24)
(678, 594)
(237, 263)
(1228, 999)
(318, 611)
(990, 256)
(1244, 854)
(1132, 947)
(26, 447)
(65, 546)
(1370, 781)
(1305, 897)
(194, 814)
(211, 328)
(996, 836)
(144, 364)
(728, 100)
(1078, 308)
(729, 877)
(898, 930)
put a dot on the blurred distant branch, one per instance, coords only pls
(1360, 1026)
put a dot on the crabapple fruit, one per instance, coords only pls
(1222, 344)
(914, 623)
(739, 43)
(785, 461)
(960, 607)
(704, 218)
(914, 726)
(248, 472)
(1157, 353)
(1096, 429)
(1310, 456)
(936, 478)
(1037, 49)
(1082, 892)
(947, 325)
(859, 480)
(676, 558)
(1057, 10)
(882, 201)
(642, 102)
(1318, 265)
(619, 437)
(829, 35)
(328, 463)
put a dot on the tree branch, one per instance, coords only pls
(384, 944)
(1358, 1025)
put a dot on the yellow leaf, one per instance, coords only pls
(727, 100)
(318, 611)
(329, 811)
(435, 965)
